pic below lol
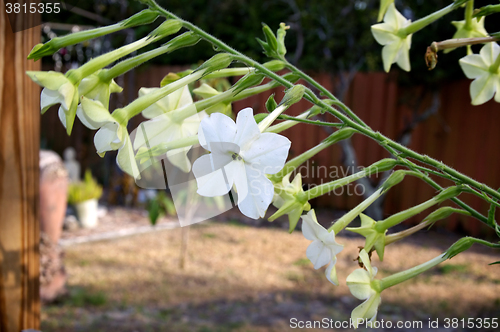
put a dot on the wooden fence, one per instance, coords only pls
(450, 134)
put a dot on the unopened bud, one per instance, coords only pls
(393, 180)
(185, 40)
(340, 135)
(459, 246)
(218, 61)
(274, 65)
(293, 95)
(381, 166)
(449, 192)
(169, 27)
(270, 37)
(145, 16)
(247, 81)
(281, 38)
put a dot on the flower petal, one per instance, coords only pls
(51, 80)
(216, 128)
(473, 66)
(403, 57)
(366, 310)
(311, 229)
(260, 193)
(359, 284)
(331, 272)
(126, 160)
(267, 153)
(49, 98)
(489, 53)
(390, 53)
(107, 138)
(482, 89)
(211, 181)
(318, 254)
(247, 130)
(93, 114)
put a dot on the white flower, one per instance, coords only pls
(486, 79)
(324, 249)
(112, 135)
(167, 126)
(94, 88)
(396, 47)
(374, 238)
(241, 156)
(57, 89)
(361, 286)
(286, 199)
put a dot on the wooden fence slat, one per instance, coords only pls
(19, 150)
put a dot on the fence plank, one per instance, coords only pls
(19, 149)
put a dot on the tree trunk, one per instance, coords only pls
(19, 197)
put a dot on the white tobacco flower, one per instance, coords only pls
(481, 68)
(475, 30)
(57, 89)
(396, 47)
(324, 249)
(112, 135)
(374, 238)
(286, 199)
(360, 283)
(241, 156)
(94, 88)
(165, 125)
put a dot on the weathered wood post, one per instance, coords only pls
(19, 198)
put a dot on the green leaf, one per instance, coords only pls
(153, 211)
(498, 262)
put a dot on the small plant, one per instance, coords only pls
(84, 190)
(160, 205)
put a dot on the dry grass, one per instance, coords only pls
(240, 263)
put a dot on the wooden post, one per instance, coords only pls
(19, 198)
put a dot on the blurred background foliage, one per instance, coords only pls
(328, 36)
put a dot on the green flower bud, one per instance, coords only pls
(274, 65)
(145, 16)
(459, 246)
(52, 46)
(169, 27)
(293, 95)
(393, 180)
(281, 39)
(340, 135)
(218, 61)
(271, 40)
(449, 192)
(381, 166)
(247, 81)
(443, 213)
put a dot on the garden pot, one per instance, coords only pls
(87, 213)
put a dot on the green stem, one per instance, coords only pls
(381, 139)
(469, 8)
(399, 217)
(410, 273)
(326, 92)
(425, 21)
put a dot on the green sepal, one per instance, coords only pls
(271, 104)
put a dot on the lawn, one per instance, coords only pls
(240, 278)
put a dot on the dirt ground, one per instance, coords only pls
(241, 278)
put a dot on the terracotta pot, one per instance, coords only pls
(53, 194)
